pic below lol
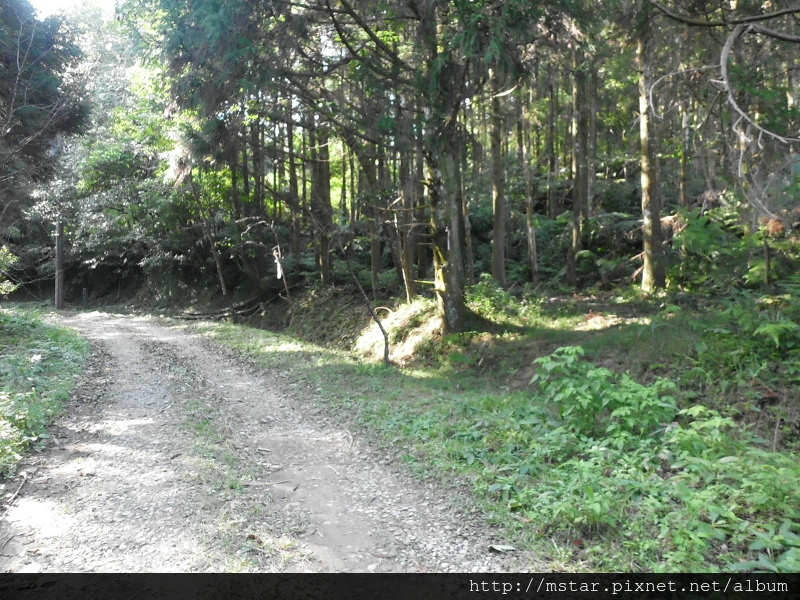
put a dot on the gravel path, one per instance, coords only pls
(176, 455)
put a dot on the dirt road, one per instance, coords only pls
(176, 455)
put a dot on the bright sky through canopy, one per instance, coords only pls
(45, 8)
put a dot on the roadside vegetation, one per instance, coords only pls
(664, 439)
(39, 363)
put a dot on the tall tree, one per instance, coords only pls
(321, 198)
(455, 46)
(530, 212)
(41, 99)
(498, 182)
(654, 269)
(580, 155)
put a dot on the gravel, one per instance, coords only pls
(177, 455)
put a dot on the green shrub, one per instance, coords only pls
(599, 457)
(595, 401)
(38, 365)
(498, 305)
(6, 260)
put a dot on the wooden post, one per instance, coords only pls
(59, 300)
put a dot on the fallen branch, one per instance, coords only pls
(266, 483)
(10, 500)
(372, 311)
(5, 543)
(246, 309)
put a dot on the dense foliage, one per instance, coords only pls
(42, 102)
(429, 143)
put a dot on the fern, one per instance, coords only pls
(777, 330)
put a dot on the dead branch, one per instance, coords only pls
(15, 494)
(725, 82)
(687, 20)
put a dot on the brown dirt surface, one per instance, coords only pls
(176, 455)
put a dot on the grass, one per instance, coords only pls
(625, 455)
(39, 364)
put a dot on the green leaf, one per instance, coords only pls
(776, 330)
(766, 563)
(748, 565)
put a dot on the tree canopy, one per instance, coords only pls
(40, 94)
(546, 143)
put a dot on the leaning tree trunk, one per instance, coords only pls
(209, 230)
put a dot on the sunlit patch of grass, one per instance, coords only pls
(39, 364)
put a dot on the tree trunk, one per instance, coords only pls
(258, 167)
(343, 197)
(354, 190)
(444, 96)
(405, 220)
(421, 235)
(294, 191)
(591, 146)
(686, 140)
(248, 264)
(653, 272)
(376, 256)
(321, 199)
(552, 161)
(533, 256)
(446, 217)
(223, 286)
(59, 296)
(391, 233)
(498, 186)
(580, 186)
(235, 198)
(465, 208)
(245, 163)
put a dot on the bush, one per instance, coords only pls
(38, 364)
(601, 458)
(6, 260)
(594, 401)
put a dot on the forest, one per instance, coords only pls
(515, 168)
